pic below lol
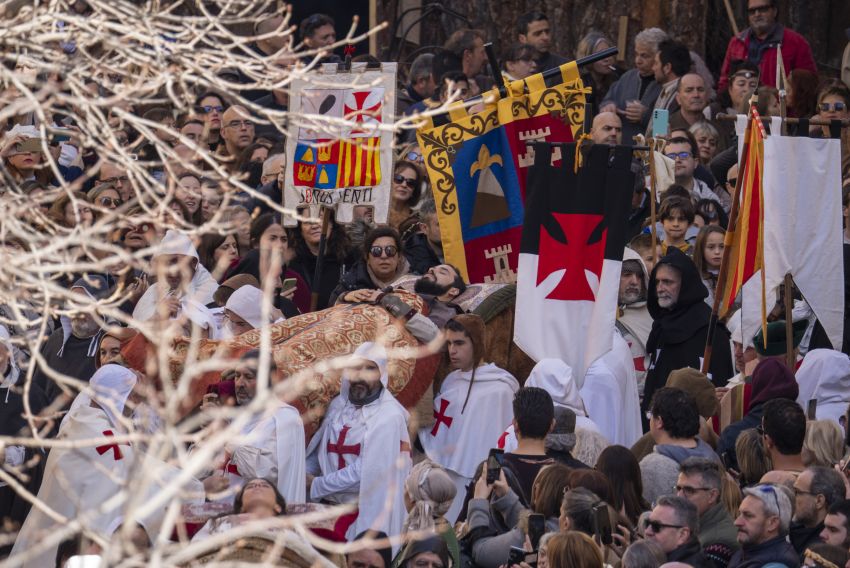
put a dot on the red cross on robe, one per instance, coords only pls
(441, 417)
(341, 449)
(116, 451)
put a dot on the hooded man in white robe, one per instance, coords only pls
(555, 377)
(270, 444)
(610, 395)
(79, 482)
(244, 311)
(472, 409)
(361, 452)
(633, 319)
(184, 287)
(824, 376)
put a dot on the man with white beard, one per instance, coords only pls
(633, 319)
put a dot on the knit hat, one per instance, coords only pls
(776, 337)
(477, 332)
(698, 386)
(772, 379)
(229, 286)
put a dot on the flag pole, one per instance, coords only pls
(727, 243)
(320, 258)
(652, 196)
(498, 81)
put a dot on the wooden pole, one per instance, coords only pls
(730, 233)
(731, 15)
(790, 358)
(320, 258)
(652, 196)
(622, 38)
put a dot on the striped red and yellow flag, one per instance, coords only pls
(746, 242)
(360, 162)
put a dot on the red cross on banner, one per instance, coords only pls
(116, 451)
(441, 417)
(341, 449)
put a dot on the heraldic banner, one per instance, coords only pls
(571, 254)
(340, 153)
(477, 165)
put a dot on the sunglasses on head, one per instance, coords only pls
(209, 108)
(389, 250)
(826, 107)
(413, 156)
(409, 182)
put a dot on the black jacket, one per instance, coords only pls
(419, 253)
(776, 550)
(678, 335)
(802, 538)
(355, 279)
(304, 264)
(690, 553)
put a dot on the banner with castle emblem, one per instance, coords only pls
(477, 165)
(340, 153)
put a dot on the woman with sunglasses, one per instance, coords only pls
(105, 200)
(833, 104)
(382, 263)
(406, 190)
(210, 107)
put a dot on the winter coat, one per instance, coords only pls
(796, 54)
(776, 550)
(660, 469)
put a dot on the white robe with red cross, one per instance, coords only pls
(460, 439)
(362, 454)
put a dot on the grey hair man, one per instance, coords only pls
(763, 521)
(815, 490)
(700, 482)
(674, 524)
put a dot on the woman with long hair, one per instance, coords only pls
(406, 191)
(305, 244)
(267, 261)
(621, 468)
(708, 252)
(218, 253)
(574, 550)
(601, 74)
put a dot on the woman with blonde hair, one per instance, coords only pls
(599, 75)
(573, 550)
(428, 494)
(824, 443)
(753, 459)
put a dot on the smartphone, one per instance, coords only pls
(29, 145)
(494, 465)
(517, 555)
(536, 529)
(224, 389)
(660, 122)
(602, 524)
(812, 409)
(288, 284)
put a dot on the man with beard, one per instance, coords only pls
(439, 287)
(270, 444)
(763, 521)
(71, 349)
(633, 319)
(680, 325)
(361, 453)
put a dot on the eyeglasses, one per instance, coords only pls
(116, 180)
(658, 526)
(210, 108)
(389, 250)
(826, 107)
(680, 155)
(240, 124)
(731, 182)
(409, 182)
(143, 228)
(689, 491)
(802, 492)
(110, 202)
(759, 9)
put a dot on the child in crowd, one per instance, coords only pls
(708, 252)
(676, 214)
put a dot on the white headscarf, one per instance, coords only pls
(109, 387)
(556, 377)
(825, 377)
(175, 242)
(247, 303)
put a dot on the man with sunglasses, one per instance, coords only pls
(758, 44)
(764, 517)
(673, 525)
(700, 481)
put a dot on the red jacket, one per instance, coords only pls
(796, 54)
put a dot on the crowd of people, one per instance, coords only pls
(645, 461)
